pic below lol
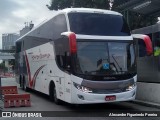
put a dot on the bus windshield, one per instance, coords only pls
(98, 24)
(106, 58)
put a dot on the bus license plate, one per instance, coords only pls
(110, 98)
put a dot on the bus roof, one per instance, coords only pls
(69, 10)
(90, 10)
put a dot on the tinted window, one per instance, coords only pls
(110, 58)
(30, 41)
(59, 26)
(49, 31)
(62, 52)
(98, 24)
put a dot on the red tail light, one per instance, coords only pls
(148, 43)
(72, 42)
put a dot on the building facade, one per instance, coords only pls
(27, 28)
(8, 40)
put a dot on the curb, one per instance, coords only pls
(148, 104)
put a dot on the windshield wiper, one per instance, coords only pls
(117, 63)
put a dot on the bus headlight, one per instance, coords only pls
(131, 87)
(82, 88)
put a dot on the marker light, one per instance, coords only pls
(130, 87)
(72, 42)
(82, 88)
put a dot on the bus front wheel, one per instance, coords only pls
(53, 94)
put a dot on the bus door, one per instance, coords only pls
(67, 87)
(60, 87)
(67, 77)
(62, 56)
(51, 70)
(60, 84)
(58, 76)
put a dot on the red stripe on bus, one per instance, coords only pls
(36, 74)
(32, 80)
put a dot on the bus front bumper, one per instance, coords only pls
(79, 97)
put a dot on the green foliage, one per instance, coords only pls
(134, 20)
(137, 20)
(61, 4)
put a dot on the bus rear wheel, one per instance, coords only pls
(24, 86)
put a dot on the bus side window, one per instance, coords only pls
(60, 25)
(62, 50)
(141, 49)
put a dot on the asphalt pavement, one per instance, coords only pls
(41, 102)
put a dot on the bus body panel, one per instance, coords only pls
(36, 61)
(90, 98)
(100, 98)
(43, 58)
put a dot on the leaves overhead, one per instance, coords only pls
(135, 20)
(61, 4)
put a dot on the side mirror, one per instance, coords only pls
(143, 44)
(72, 41)
(69, 48)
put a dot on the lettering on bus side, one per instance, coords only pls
(41, 56)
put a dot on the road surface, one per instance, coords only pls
(41, 102)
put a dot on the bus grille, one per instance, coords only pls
(103, 91)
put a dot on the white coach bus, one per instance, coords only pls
(79, 56)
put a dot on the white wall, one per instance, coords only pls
(148, 92)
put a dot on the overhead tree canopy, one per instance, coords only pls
(135, 20)
(61, 4)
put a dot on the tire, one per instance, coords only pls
(20, 82)
(53, 94)
(24, 86)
